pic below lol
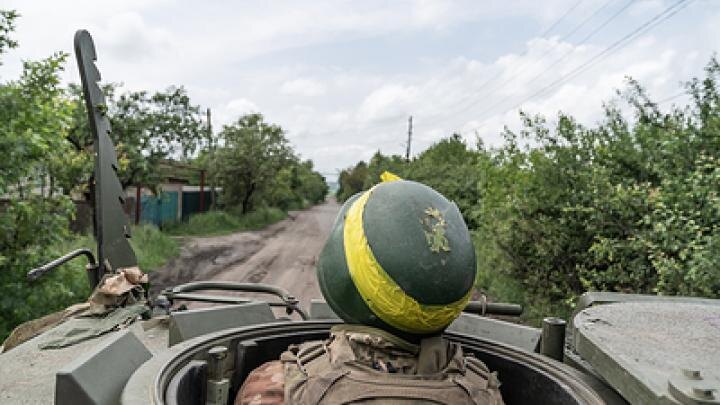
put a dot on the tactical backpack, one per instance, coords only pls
(337, 372)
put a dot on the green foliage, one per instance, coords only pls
(33, 231)
(220, 223)
(68, 284)
(630, 205)
(256, 166)
(7, 26)
(146, 129)
(34, 118)
(352, 181)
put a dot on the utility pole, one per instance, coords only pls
(209, 129)
(409, 141)
(211, 148)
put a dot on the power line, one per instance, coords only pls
(614, 47)
(525, 52)
(559, 20)
(584, 22)
(566, 54)
(520, 69)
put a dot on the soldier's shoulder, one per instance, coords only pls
(263, 386)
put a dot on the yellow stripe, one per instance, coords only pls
(384, 297)
(387, 176)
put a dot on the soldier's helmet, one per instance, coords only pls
(399, 258)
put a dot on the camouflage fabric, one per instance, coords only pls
(364, 365)
(264, 386)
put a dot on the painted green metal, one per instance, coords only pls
(521, 336)
(552, 341)
(191, 203)
(319, 309)
(640, 348)
(111, 225)
(493, 308)
(186, 325)
(38, 272)
(98, 376)
(186, 292)
(159, 209)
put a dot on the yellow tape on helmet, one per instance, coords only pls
(388, 176)
(380, 292)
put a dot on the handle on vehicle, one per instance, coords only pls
(38, 272)
(493, 308)
(183, 292)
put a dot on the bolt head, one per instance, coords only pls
(691, 374)
(703, 392)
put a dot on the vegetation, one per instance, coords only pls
(257, 167)
(146, 129)
(152, 247)
(630, 205)
(220, 222)
(47, 158)
(68, 284)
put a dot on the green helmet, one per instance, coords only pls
(400, 258)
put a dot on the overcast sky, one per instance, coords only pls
(343, 77)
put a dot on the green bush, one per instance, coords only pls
(629, 205)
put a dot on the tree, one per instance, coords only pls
(34, 120)
(352, 181)
(146, 129)
(247, 165)
(380, 163)
(7, 26)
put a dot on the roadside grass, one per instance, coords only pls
(214, 223)
(152, 247)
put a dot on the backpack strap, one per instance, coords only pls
(320, 384)
(481, 385)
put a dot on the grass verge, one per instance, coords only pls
(152, 247)
(216, 223)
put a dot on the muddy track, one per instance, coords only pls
(284, 254)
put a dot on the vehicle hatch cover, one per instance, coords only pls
(653, 352)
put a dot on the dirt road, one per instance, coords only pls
(283, 254)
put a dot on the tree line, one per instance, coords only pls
(630, 205)
(47, 159)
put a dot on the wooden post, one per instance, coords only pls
(202, 190)
(137, 204)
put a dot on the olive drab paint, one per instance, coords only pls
(111, 224)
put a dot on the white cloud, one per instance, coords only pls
(388, 101)
(303, 87)
(295, 64)
(128, 37)
(233, 110)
